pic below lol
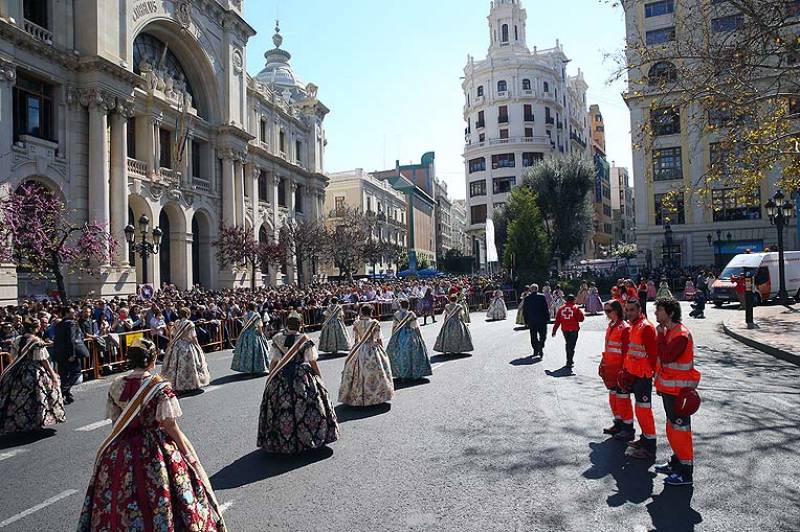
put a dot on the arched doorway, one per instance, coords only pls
(164, 254)
(201, 250)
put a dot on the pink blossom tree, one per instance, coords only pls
(236, 246)
(38, 233)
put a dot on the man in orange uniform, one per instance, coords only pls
(569, 318)
(676, 371)
(640, 364)
(617, 338)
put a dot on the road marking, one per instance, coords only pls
(212, 388)
(225, 506)
(45, 504)
(94, 426)
(12, 453)
(437, 365)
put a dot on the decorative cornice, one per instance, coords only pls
(8, 70)
(100, 99)
(236, 132)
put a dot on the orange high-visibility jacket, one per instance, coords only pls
(617, 340)
(680, 373)
(640, 360)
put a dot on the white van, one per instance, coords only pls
(767, 276)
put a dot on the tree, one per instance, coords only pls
(526, 249)
(501, 219)
(237, 246)
(305, 241)
(347, 234)
(731, 72)
(562, 187)
(43, 240)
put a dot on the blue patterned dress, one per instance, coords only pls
(407, 351)
(251, 352)
(334, 337)
(454, 337)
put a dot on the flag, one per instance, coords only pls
(491, 250)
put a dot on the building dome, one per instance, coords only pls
(278, 73)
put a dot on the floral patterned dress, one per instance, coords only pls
(141, 481)
(334, 337)
(497, 308)
(594, 305)
(520, 315)
(251, 351)
(296, 410)
(583, 294)
(367, 374)
(454, 336)
(29, 398)
(184, 361)
(407, 352)
(557, 303)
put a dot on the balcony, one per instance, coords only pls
(169, 176)
(37, 32)
(560, 125)
(549, 120)
(480, 125)
(527, 93)
(502, 119)
(201, 184)
(137, 167)
(502, 95)
(529, 118)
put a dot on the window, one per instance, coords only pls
(528, 112)
(531, 158)
(502, 185)
(298, 150)
(669, 211)
(661, 73)
(502, 86)
(148, 49)
(477, 165)
(504, 160)
(165, 151)
(262, 133)
(667, 164)
(131, 137)
(516, 33)
(528, 132)
(478, 188)
(655, 9)
(282, 141)
(33, 108)
(35, 11)
(263, 187)
(502, 114)
(526, 84)
(665, 121)
(660, 36)
(339, 203)
(480, 90)
(196, 164)
(504, 33)
(730, 204)
(504, 133)
(477, 214)
(298, 199)
(729, 23)
(282, 193)
(481, 137)
(481, 121)
(546, 87)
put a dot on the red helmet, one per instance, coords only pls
(625, 380)
(687, 402)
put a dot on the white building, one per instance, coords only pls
(622, 206)
(461, 239)
(140, 108)
(444, 218)
(521, 106)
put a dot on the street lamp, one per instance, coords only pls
(144, 248)
(780, 212)
(717, 245)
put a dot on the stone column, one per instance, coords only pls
(238, 183)
(290, 203)
(251, 187)
(119, 183)
(228, 196)
(276, 180)
(8, 73)
(156, 152)
(99, 186)
(186, 166)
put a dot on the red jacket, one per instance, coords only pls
(568, 318)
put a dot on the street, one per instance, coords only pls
(493, 442)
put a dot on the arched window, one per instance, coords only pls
(149, 50)
(526, 84)
(516, 33)
(504, 32)
(502, 86)
(480, 90)
(662, 72)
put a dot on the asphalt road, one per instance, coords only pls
(492, 442)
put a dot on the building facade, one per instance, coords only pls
(600, 239)
(149, 110)
(676, 153)
(444, 218)
(361, 190)
(622, 206)
(462, 241)
(520, 107)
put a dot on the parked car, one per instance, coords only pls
(766, 277)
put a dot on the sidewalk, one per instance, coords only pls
(777, 331)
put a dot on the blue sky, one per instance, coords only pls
(390, 70)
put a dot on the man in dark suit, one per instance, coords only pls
(68, 348)
(537, 317)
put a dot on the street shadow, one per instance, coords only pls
(447, 358)
(26, 438)
(521, 328)
(332, 356)
(633, 477)
(560, 372)
(345, 413)
(237, 377)
(260, 465)
(401, 384)
(671, 510)
(189, 393)
(526, 361)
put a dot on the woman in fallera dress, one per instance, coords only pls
(251, 353)
(651, 289)
(558, 301)
(367, 374)
(497, 308)
(407, 351)
(548, 296)
(30, 393)
(464, 302)
(427, 306)
(147, 476)
(663, 290)
(184, 361)
(454, 336)
(334, 337)
(583, 294)
(593, 302)
(520, 316)
(296, 412)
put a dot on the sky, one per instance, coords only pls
(390, 70)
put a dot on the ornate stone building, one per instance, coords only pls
(145, 107)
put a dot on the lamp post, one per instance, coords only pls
(143, 248)
(717, 245)
(780, 212)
